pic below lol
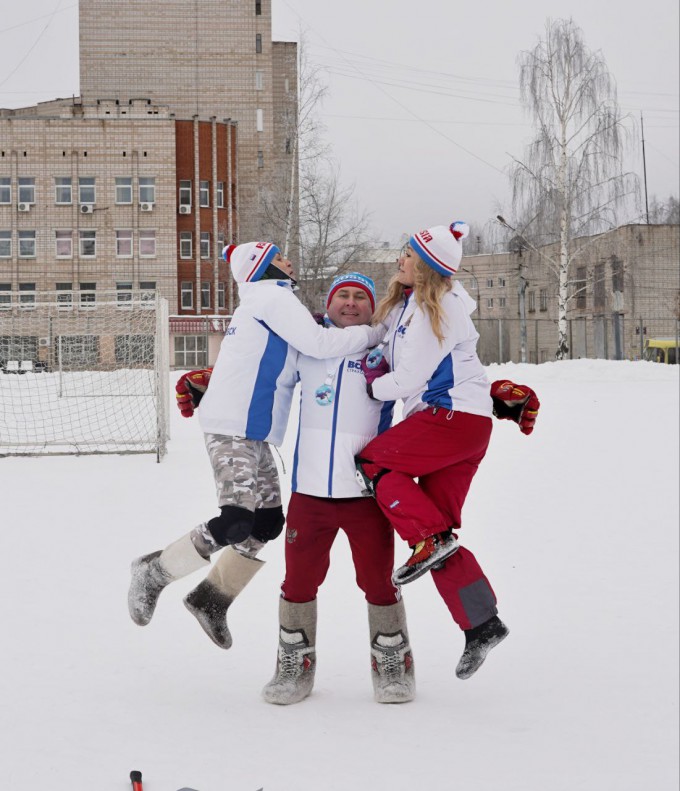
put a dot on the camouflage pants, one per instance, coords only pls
(245, 472)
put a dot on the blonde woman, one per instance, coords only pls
(430, 362)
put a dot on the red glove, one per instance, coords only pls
(190, 390)
(515, 402)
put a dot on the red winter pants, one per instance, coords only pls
(312, 525)
(443, 450)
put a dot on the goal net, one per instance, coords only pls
(84, 378)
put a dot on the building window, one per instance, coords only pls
(87, 191)
(220, 194)
(124, 294)
(63, 244)
(489, 282)
(26, 190)
(617, 274)
(258, 7)
(289, 146)
(580, 287)
(204, 194)
(205, 244)
(5, 190)
(64, 296)
(147, 244)
(185, 193)
(286, 85)
(26, 244)
(147, 189)
(205, 295)
(187, 295)
(124, 190)
(63, 190)
(260, 158)
(259, 80)
(532, 301)
(259, 120)
(79, 351)
(598, 286)
(88, 244)
(5, 244)
(258, 43)
(543, 299)
(501, 302)
(123, 244)
(489, 302)
(501, 281)
(5, 296)
(191, 351)
(221, 301)
(185, 244)
(27, 295)
(132, 350)
(88, 295)
(147, 293)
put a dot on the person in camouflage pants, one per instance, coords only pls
(245, 411)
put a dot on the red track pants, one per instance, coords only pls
(443, 450)
(312, 525)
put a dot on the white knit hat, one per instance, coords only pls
(440, 247)
(249, 261)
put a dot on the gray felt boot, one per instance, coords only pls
(391, 659)
(211, 599)
(296, 660)
(151, 573)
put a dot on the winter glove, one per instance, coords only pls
(372, 372)
(190, 389)
(515, 402)
(374, 357)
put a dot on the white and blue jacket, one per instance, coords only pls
(252, 383)
(330, 435)
(426, 373)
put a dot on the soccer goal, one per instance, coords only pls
(84, 378)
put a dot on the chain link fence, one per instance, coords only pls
(613, 337)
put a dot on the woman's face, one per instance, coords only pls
(407, 262)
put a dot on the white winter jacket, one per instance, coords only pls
(252, 383)
(425, 372)
(331, 434)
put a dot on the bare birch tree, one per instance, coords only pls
(571, 181)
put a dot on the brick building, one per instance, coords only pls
(179, 142)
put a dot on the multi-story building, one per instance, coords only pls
(181, 141)
(205, 59)
(113, 197)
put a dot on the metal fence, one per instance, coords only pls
(613, 337)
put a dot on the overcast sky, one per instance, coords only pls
(422, 111)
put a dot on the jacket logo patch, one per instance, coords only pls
(291, 535)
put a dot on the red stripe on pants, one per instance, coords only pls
(312, 525)
(444, 451)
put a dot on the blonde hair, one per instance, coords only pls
(428, 289)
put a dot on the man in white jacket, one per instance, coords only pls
(244, 411)
(337, 419)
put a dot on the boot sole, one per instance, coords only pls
(413, 574)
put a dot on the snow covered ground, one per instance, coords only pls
(576, 526)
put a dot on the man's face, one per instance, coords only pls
(283, 264)
(350, 306)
